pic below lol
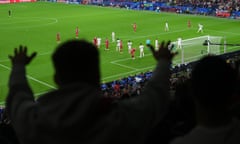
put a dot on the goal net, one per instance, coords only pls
(213, 47)
(193, 49)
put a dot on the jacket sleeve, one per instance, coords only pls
(156, 94)
(150, 107)
(20, 101)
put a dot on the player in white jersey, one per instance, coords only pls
(98, 42)
(129, 44)
(200, 28)
(156, 44)
(141, 48)
(113, 36)
(179, 43)
(118, 45)
(166, 26)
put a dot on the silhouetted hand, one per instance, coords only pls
(20, 56)
(164, 51)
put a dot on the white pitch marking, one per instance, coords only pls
(32, 78)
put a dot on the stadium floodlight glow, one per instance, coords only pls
(208, 42)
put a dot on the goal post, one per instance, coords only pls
(193, 48)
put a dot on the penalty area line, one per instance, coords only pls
(32, 78)
(125, 66)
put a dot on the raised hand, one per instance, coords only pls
(20, 56)
(164, 51)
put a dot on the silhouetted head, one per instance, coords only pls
(213, 82)
(76, 61)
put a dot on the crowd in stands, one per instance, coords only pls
(126, 87)
(221, 8)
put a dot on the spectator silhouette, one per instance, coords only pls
(75, 112)
(179, 120)
(7, 134)
(213, 83)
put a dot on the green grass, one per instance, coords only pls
(36, 24)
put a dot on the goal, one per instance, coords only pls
(213, 46)
(194, 48)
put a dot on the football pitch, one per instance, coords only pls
(35, 25)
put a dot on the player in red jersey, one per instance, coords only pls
(134, 27)
(95, 41)
(106, 44)
(189, 23)
(132, 52)
(77, 32)
(9, 13)
(121, 46)
(58, 38)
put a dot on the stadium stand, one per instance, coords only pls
(179, 120)
(15, 1)
(227, 9)
(131, 86)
